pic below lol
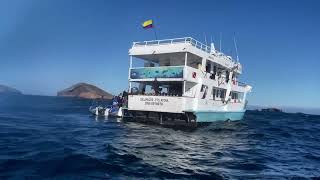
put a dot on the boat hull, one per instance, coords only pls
(212, 116)
(204, 110)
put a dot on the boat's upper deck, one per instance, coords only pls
(156, 50)
(184, 40)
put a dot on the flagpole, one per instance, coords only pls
(154, 30)
(155, 33)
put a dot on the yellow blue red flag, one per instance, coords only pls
(147, 24)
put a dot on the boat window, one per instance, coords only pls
(158, 88)
(222, 93)
(218, 93)
(214, 93)
(204, 89)
(227, 76)
(235, 95)
(193, 60)
(208, 66)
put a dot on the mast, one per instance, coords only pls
(205, 39)
(235, 45)
(220, 41)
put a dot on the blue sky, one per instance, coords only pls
(48, 45)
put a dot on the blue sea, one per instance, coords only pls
(56, 138)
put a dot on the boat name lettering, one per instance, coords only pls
(154, 101)
(146, 99)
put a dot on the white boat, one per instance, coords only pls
(185, 78)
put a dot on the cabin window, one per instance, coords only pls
(214, 93)
(193, 60)
(204, 89)
(208, 66)
(157, 89)
(236, 96)
(222, 93)
(227, 76)
(218, 93)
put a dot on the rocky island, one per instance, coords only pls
(9, 90)
(271, 110)
(84, 90)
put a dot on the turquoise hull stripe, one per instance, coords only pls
(212, 116)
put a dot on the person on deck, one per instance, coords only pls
(155, 87)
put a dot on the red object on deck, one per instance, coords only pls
(194, 74)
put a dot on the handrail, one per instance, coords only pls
(184, 40)
(162, 40)
(155, 67)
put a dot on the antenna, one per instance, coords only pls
(212, 48)
(205, 38)
(235, 45)
(220, 41)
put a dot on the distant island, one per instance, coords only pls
(9, 90)
(267, 110)
(271, 110)
(84, 90)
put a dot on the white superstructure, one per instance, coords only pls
(185, 77)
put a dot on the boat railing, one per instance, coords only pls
(156, 67)
(185, 40)
(159, 94)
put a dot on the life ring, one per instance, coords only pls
(194, 74)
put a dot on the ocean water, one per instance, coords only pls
(56, 138)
